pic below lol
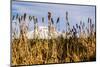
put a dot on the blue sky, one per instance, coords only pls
(76, 13)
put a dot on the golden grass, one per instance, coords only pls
(39, 51)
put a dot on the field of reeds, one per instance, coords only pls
(60, 50)
(54, 50)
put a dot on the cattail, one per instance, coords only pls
(90, 26)
(49, 15)
(67, 23)
(67, 16)
(83, 30)
(74, 28)
(88, 20)
(19, 19)
(57, 20)
(52, 21)
(42, 19)
(24, 16)
(35, 25)
(49, 22)
(74, 31)
(79, 27)
(80, 22)
(58, 24)
(76, 25)
(36, 20)
(17, 16)
(83, 25)
(33, 17)
(30, 18)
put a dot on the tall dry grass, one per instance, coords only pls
(38, 51)
(57, 50)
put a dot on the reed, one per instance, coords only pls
(55, 50)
